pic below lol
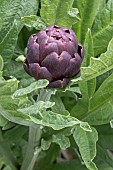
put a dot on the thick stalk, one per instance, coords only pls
(32, 150)
(34, 137)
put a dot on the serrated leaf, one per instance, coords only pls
(9, 103)
(49, 119)
(100, 107)
(11, 10)
(89, 52)
(55, 120)
(36, 108)
(57, 12)
(33, 21)
(45, 144)
(103, 94)
(8, 87)
(102, 5)
(31, 88)
(100, 115)
(7, 46)
(85, 126)
(10, 15)
(61, 140)
(16, 117)
(88, 46)
(59, 106)
(15, 69)
(73, 12)
(73, 15)
(86, 142)
(87, 89)
(102, 28)
(85, 7)
(99, 65)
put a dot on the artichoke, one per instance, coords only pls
(54, 54)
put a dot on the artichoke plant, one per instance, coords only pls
(54, 54)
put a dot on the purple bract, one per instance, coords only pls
(54, 54)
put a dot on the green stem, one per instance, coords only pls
(34, 137)
(32, 151)
(34, 158)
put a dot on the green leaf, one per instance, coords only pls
(33, 21)
(110, 45)
(102, 29)
(85, 7)
(55, 120)
(99, 65)
(20, 58)
(3, 121)
(14, 10)
(85, 126)
(1, 75)
(9, 103)
(1, 63)
(98, 109)
(82, 104)
(10, 15)
(59, 106)
(67, 165)
(45, 144)
(88, 46)
(16, 117)
(105, 133)
(100, 115)
(15, 69)
(18, 132)
(87, 90)
(8, 87)
(111, 123)
(50, 119)
(58, 12)
(102, 5)
(105, 155)
(37, 108)
(101, 105)
(59, 139)
(31, 88)
(73, 12)
(7, 156)
(103, 94)
(7, 46)
(86, 142)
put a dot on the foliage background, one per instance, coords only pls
(37, 123)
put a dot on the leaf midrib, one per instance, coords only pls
(102, 30)
(90, 112)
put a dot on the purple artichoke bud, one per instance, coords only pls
(54, 54)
